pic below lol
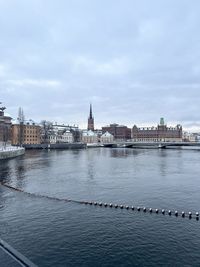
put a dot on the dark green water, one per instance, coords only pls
(53, 233)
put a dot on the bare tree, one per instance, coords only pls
(5, 135)
(76, 135)
(21, 119)
(46, 130)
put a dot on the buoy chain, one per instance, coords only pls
(183, 214)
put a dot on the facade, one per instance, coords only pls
(26, 133)
(119, 132)
(90, 120)
(70, 133)
(5, 128)
(161, 133)
(106, 138)
(61, 137)
(190, 137)
(89, 137)
(59, 133)
(62, 127)
(197, 137)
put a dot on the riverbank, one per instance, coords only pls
(56, 146)
(11, 152)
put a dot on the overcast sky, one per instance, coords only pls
(135, 61)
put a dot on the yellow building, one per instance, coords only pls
(26, 133)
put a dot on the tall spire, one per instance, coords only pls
(90, 116)
(91, 120)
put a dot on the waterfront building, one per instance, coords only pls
(161, 133)
(106, 138)
(197, 137)
(89, 137)
(63, 136)
(5, 128)
(59, 133)
(26, 133)
(119, 132)
(190, 137)
(90, 120)
(71, 133)
(62, 127)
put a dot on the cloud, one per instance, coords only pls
(3, 70)
(34, 83)
(136, 61)
(115, 66)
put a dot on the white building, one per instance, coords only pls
(52, 138)
(61, 127)
(189, 137)
(89, 137)
(107, 138)
(61, 137)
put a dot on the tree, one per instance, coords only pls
(21, 120)
(46, 130)
(76, 135)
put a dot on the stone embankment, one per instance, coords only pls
(11, 152)
(56, 146)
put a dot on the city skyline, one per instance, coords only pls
(135, 62)
(90, 121)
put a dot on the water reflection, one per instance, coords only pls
(5, 170)
(91, 164)
(163, 161)
(16, 169)
(123, 152)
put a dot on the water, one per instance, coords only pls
(53, 233)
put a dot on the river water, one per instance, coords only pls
(56, 233)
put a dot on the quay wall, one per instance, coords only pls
(11, 153)
(56, 146)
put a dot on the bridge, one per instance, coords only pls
(130, 144)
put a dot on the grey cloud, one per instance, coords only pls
(134, 60)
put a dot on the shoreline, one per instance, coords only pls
(11, 152)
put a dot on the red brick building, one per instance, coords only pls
(161, 133)
(120, 132)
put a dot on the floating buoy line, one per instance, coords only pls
(175, 213)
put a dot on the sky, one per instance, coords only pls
(135, 61)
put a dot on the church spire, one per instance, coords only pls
(91, 120)
(90, 116)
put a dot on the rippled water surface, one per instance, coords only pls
(53, 233)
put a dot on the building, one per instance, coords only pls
(119, 132)
(5, 128)
(26, 133)
(62, 127)
(89, 137)
(59, 133)
(161, 133)
(90, 120)
(70, 133)
(61, 137)
(106, 138)
(189, 137)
